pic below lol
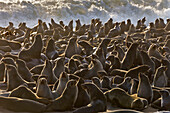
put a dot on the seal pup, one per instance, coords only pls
(63, 79)
(43, 89)
(160, 78)
(48, 71)
(165, 99)
(13, 78)
(59, 67)
(83, 98)
(21, 105)
(144, 88)
(98, 100)
(68, 97)
(130, 56)
(50, 50)
(23, 70)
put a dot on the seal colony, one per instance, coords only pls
(86, 69)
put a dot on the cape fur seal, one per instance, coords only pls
(25, 93)
(68, 97)
(119, 96)
(83, 97)
(23, 70)
(48, 71)
(34, 51)
(21, 105)
(144, 88)
(160, 78)
(43, 89)
(59, 67)
(50, 50)
(129, 57)
(13, 78)
(72, 48)
(61, 85)
(98, 100)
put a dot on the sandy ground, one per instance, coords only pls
(109, 110)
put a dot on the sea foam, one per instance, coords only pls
(30, 11)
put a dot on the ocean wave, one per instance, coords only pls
(31, 10)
